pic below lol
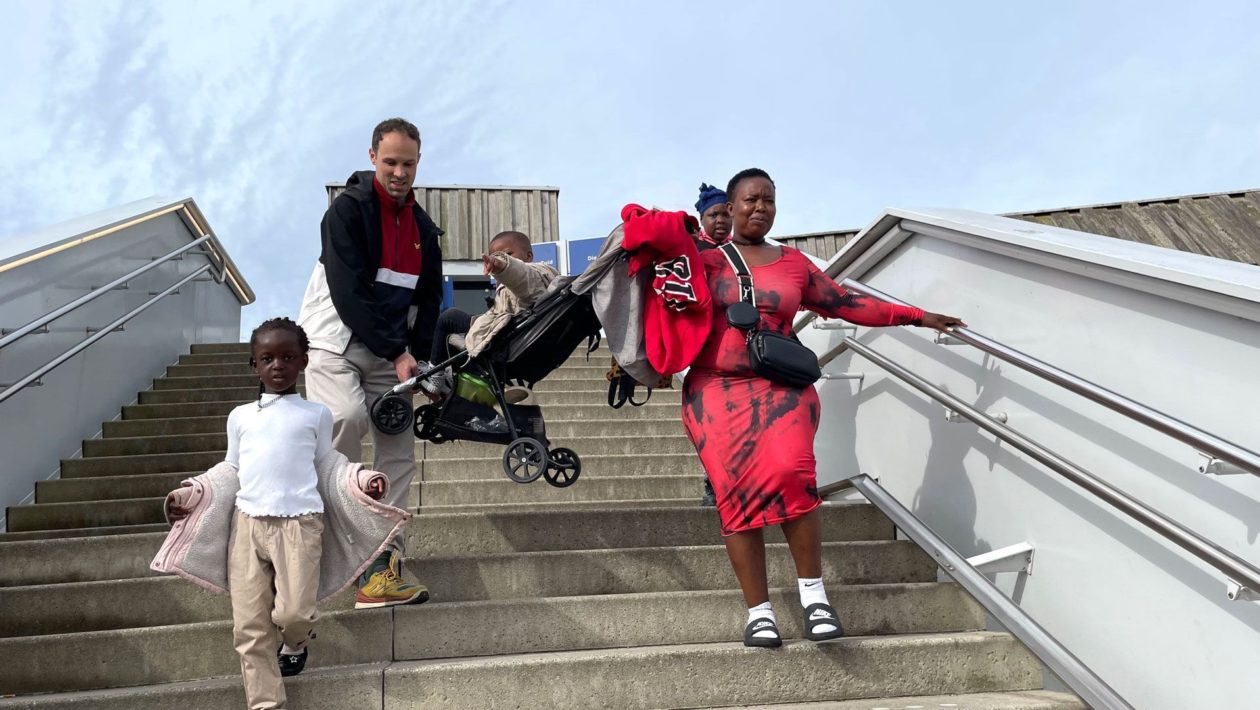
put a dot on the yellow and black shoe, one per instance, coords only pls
(383, 585)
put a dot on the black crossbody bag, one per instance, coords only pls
(778, 358)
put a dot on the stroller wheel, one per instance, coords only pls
(563, 468)
(524, 460)
(426, 417)
(391, 413)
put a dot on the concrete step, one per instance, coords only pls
(614, 445)
(505, 529)
(158, 600)
(580, 369)
(344, 638)
(700, 675)
(610, 438)
(82, 532)
(599, 409)
(559, 395)
(198, 410)
(105, 488)
(595, 381)
(1013, 700)
(84, 514)
(603, 484)
(336, 688)
(193, 649)
(135, 464)
(219, 348)
(599, 357)
(597, 487)
(209, 394)
(139, 428)
(687, 464)
(162, 444)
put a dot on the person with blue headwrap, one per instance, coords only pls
(715, 218)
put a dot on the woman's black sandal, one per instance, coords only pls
(819, 615)
(762, 624)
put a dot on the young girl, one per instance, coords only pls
(274, 547)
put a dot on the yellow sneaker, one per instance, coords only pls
(384, 586)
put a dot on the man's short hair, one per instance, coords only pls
(394, 125)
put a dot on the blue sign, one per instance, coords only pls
(582, 252)
(547, 253)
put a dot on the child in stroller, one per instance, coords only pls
(530, 329)
(532, 344)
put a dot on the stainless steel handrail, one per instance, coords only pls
(1236, 569)
(1182, 431)
(97, 293)
(1083, 681)
(106, 330)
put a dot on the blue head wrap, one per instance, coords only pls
(709, 196)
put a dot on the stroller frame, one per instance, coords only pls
(528, 455)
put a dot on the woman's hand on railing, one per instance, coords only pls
(941, 322)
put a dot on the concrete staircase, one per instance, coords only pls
(615, 592)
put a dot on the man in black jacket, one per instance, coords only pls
(371, 304)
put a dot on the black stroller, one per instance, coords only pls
(535, 342)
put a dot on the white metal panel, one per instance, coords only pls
(1151, 620)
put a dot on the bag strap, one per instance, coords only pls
(742, 272)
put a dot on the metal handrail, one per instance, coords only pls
(82, 345)
(1238, 571)
(97, 293)
(1093, 690)
(1184, 432)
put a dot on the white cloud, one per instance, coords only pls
(252, 107)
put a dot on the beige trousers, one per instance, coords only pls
(347, 384)
(273, 574)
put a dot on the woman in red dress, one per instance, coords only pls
(755, 437)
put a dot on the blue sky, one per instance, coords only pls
(852, 107)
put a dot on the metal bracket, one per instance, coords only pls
(825, 324)
(1238, 593)
(38, 331)
(119, 329)
(845, 376)
(946, 339)
(1012, 558)
(38, 382)
(955, 418)
(1213, 466)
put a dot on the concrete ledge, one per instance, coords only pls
(318, 689)
(504, 530)
(1017, 700)
(130, 657)
(186, 650)
(708, 674)
(178, 411)
(142, 463)
(491, 467)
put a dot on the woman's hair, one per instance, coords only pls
(742, 175)
(276, 324)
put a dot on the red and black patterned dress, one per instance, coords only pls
(756, 438)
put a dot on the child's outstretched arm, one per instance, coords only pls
(526, 280)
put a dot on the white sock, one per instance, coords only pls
(763, 611)
(813, 592)
(284, 648)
